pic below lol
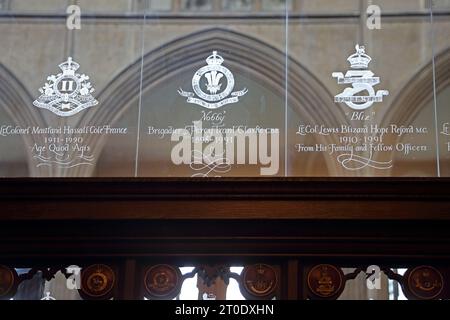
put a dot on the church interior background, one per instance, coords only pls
(138, 59)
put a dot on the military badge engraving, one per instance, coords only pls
(210, 89)
(67, 93)
(361, 81)
(326, 281)
(259, 282)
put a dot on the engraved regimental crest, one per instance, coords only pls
(362, 81)
(213, 85)
(68, 92)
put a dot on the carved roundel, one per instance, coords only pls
(326, 281)
(162, 282)
(424, 282)
(8, 282)
(259, 281)
(97, 281)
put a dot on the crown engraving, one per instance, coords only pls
(66, 93)
(69, 67)
(359, 60)
(361, 95)
(214, 59)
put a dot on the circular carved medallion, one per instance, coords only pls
(259, 281)
(97, 281)
(325, 281)
(424, 282)
(8, 282)
(162, 282)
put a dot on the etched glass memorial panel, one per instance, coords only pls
(70, 88)
(213, 95)
(441, 46)
(218, 88)
(353, 76)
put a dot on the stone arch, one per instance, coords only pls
(418, 92)
(263, 62)
(17, 102)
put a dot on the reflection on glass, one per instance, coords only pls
(208, 105)
(328, 131)
(357, 116)
(237, 5)
(274, 5)
(441, 43)
(441, 5)
(65, 110)
(193, 5)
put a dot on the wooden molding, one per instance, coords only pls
(232, 198)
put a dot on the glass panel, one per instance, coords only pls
(350, 88)
(213, 96)
(237, 95)
(70, 91)
(441, 6)
(441, 28)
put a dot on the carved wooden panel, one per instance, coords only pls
(8, 282)
(325, 281)
(162, 282)
(423, 283)
(259, 281)
(97, 282)
(316, 226)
